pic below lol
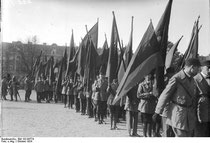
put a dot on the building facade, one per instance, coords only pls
(18, 58)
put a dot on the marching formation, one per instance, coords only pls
(173, 99)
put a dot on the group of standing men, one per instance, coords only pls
(94, 101)
(10, 86)
(185, 101)
(43, 89)
(181, 110)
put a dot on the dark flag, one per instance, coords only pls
(146, 58)
(103, 58)
(93, 35)
(127, 55)
(162, 37)
(58, 87)
(71, 55)
(170, 54)
(192, 50)
(65, 60)
(90, 66)
(80, 59)
(40, 71)
(112, 65)
(36, 64)
(51, 71)
(47, 68)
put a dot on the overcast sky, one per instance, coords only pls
(52, 20)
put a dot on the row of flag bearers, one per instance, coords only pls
(182, 110)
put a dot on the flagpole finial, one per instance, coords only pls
(113, 12)
(86, 28)
(199, 27)
(132, 19)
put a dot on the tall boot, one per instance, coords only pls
(144, 129)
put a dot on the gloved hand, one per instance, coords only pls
(156, 118)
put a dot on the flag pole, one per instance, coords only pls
(119, 43)
(86, 29)
(105, 36)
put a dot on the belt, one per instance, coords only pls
(181, 105)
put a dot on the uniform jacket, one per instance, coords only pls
(54, 86)
(39, 86)
(64, 87)
(203, 109)
(75, 91)
(164, 114)
(80, 89)
(46, 85)
(28, 84)
(132, 102)
(14, 86)
(182, 106)
(103, 84)
(95, 91)
(70, 89)
(112, 93)
(147, 99)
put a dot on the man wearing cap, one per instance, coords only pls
(180, 95)
(28, 88)
(131, 107)
(39, 88)
(203, 109)
(102, 84)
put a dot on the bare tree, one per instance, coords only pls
(28, 52)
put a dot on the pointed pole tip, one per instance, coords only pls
(200, 27)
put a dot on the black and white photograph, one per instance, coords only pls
(133, 69)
